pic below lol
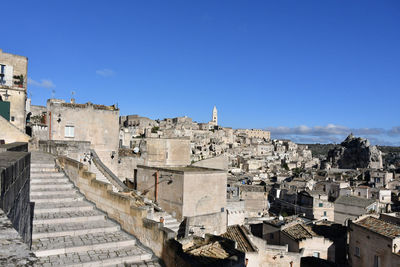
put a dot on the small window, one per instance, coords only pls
(325, 213)
(316, 254)
(359, 194)
(69, 131)
(377, 261)
(12, 118)
(271, 236)
(357, 252)
(320, 205)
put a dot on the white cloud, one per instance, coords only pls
(394, 131)
(44, 83)
(332, 133)
(330, 129)
(105, 72)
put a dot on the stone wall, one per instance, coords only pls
(71, 149)
(14, 196)
(220, 163)
(214, 223)
(118, 206)
(17, 146)
(10, 133)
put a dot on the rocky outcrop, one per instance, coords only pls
(355, 152)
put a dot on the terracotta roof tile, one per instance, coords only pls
(299, 232)
(239, 234)
(380, 226)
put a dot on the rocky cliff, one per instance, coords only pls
(355, 152)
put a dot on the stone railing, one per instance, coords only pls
(107, 172)
(122, 207)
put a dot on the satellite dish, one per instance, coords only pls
(280, 218)
(136, 150)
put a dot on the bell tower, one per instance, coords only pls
(215, 115)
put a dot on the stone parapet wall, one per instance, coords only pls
(71, 149)
(14, 195)
(17, 146)
(118, 206)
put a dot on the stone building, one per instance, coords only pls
(301, 236)
(374, 242)
(193, 193)
(255, 133)
(97, 124)
(13, 86)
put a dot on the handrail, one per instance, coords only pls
(108, 173)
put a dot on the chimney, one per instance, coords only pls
(72, 100)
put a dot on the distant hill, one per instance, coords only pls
(320, 150)
(391, 153)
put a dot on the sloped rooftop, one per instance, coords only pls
(299, 232)
(239, 234)
(380, 227)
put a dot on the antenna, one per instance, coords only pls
(53, 92)
(72, 94)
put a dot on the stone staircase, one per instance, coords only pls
(69, 231)
(99, 175)
(169, 221)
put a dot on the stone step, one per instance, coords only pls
(56, 199)
(62, 207)
(42, 187)
(69, 244)
(81, 219)
(110, 257)
(46, 174)
(64, 215)
(73, 229)
(43, 169)
(172, 225)
(53, 193)
(56, 180)
(40, 164)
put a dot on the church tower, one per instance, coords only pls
(215, 115)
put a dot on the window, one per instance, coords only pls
(2, 73)
(377, 261)
(325, 213)
(271, 236)
(316, 254)
(357, 252)
(320, 205)
(69, 131)
(12, 118)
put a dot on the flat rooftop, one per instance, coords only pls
(183, 169)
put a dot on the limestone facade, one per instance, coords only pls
(13, 81)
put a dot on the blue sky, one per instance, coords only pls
(312, 71)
